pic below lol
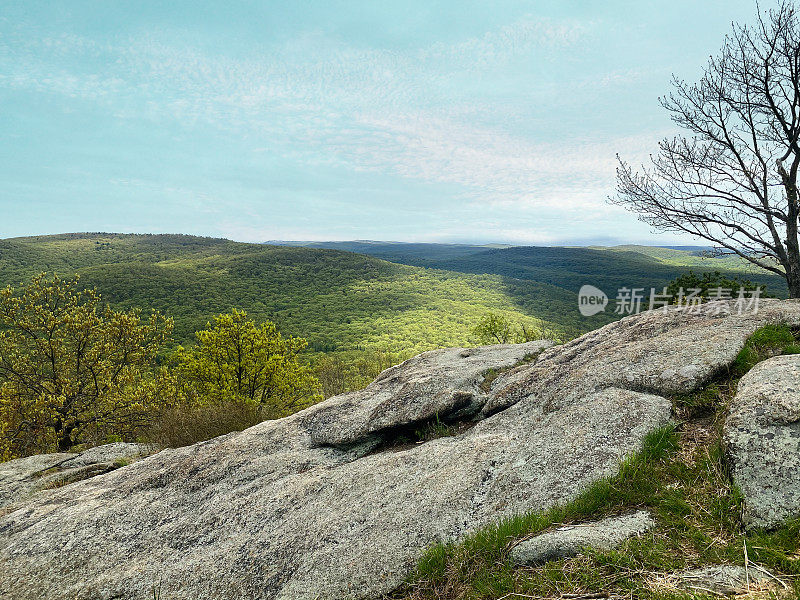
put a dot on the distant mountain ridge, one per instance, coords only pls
(354, 295)
(567, 267)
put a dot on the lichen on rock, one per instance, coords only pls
(762, 437)
(306, 507)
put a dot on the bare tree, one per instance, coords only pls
(732, 180)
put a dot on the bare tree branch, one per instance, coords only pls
(732, 180)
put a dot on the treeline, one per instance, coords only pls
(75, 372)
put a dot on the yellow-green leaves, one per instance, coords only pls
(236, 360)
(68, 365)
(75, 371)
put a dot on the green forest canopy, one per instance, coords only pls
(430, 295)
(337, 300)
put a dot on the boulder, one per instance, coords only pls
(762, 439)
(25, 476)
(563, 542)
(268, 513)
(324, 504)
(670, 351)
(724, 580)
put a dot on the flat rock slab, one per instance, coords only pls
(443, 384)
(762, 438)
(726, 580)
(564, 542)
(661, 351)
(267, 514)
(25, 476)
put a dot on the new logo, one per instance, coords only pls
(591, 300)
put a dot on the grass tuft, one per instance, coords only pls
(764, 343)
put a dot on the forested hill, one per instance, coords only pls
(608, 268)
(338, 300)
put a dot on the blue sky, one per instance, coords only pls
(414, 121)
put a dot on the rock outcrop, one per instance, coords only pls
(660, 352)
(762, 436)
(322, 505)
(563, 542)
(440, 382)
(25, 476)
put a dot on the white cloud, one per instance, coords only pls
(371, 110)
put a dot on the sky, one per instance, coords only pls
(413, 121)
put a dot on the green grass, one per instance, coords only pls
(768, 341)
(679, 475)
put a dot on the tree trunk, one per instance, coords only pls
(64, 436)
(793, 281)
(65, 443)
(792, 265)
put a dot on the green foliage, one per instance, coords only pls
(494, 329)
(767, 341)
(345, 302)
(76, 372)
(338, 301)
(566, 269)
(497, 329)
(708, 282)
(340, 372)
(68, 364)
(237, 361)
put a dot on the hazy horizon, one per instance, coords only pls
(579, 244)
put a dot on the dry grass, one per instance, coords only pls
(185, 426)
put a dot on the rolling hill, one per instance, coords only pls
(337, 300)
(608, 268)
(354, 295)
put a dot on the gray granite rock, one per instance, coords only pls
(266, 513)
(661, 352)
(762, 437)
(309, 507)
(563, 542)
(443, 384)
(25, 476)
(726, 580)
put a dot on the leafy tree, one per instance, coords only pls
(236, 360)
(494, 329)
(497, 329)
(340, 372)
(67, 365)
(732, 180)
(706, 282)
